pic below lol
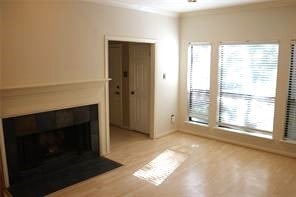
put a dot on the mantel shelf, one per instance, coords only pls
(53, 84)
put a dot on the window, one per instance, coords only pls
(199, 82)
(290, 130)
(247, 84)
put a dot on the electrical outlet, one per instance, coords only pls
(173, 118)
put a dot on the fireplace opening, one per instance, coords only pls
(52, 143)
(40, 148)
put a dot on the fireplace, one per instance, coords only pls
(41, 143)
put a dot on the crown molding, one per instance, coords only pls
(135, 7)
(219, 10)
(239, 8)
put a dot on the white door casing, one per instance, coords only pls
(115, 86)
(139, 70)
(105, 135)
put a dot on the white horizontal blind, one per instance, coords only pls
(247, 84)
(290, 130)
(199, 82)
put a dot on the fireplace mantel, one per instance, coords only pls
(44, 85)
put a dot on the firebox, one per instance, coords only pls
(39, 143)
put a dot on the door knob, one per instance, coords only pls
(132, 92)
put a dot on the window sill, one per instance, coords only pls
(260, 135)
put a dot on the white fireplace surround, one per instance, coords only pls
(25, 100)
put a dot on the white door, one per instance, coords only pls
(139, 86)
(115, 85)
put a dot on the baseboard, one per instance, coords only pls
(283, 153)
(163, 134)
(124, 127)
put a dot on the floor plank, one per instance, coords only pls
(212, 169)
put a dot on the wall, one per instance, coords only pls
(1, 132)
(1, 29)
(63, 42)
(239, 24)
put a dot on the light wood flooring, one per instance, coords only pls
(212, 169)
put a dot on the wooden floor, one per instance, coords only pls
(212, 169)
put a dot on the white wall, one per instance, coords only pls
(239, 24)
(1, 28)
(55, 42)
(1, 131)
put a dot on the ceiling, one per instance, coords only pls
(175, 7)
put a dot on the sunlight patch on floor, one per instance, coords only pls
(160, 168)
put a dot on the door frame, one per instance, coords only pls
(152, 106)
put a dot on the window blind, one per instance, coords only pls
(290, 129)
(247, 84)
(199, 82)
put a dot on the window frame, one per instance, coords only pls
(188, 79)
(292, 67)
(243, 129)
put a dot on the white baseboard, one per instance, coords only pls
(279, 152)
(165, 133)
